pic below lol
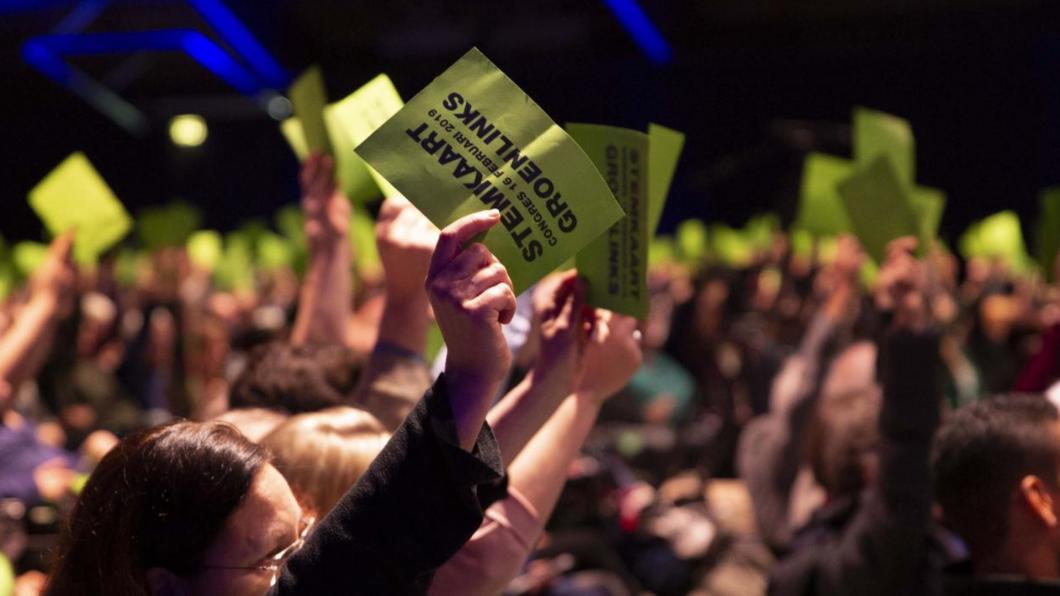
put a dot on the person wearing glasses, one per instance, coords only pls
(196, 508)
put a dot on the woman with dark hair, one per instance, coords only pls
(186, 504)
(196, 509)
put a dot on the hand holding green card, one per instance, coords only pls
(615, 263)
(75, 196)
(473, 140)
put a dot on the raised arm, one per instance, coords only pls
(497, 551)
(424, 495)
(884, 549)
(327, 290)
(31, 333)
(396, 374)
(564, 332)
(772, 446)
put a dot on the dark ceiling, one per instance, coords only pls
(754, 83)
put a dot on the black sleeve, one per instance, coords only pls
(418, 503)
(884, 549)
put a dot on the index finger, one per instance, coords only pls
(452, 239)
(62, 245)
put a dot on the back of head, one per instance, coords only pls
(295, 379)
(158, 499)
(322, 454)
(843, 439)
(981, 455)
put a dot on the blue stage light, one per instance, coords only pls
(641, 29)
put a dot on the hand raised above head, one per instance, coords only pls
(327, 211)
(472, 297)
(612, 356)
(406, 240)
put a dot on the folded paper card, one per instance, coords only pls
(821, 210)
(167, 225)
(878, 206)
(473, 140)
(75, 196)
(308, 99)
(349, 122)
(878, 133)
(665, 147)
(615, 263)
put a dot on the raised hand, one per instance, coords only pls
(472, 297)
(327, 211)
(565, 324)
(56, 278)
(612, 356)
(406, 240)
(902, 286)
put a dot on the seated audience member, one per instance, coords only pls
(874, 535)
(322, 454)
(996, 465)
(196, 508)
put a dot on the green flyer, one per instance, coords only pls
(665, 146)
(349, 121)
(308, 98)
(74, 195)
(821, 210)
(878, 206)
(878, 133)
(167, 225)
(360, 113)
(473, 140)
(615, 263)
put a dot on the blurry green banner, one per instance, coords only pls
(615, 263)
(473, 140)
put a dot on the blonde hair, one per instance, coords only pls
(322, 454)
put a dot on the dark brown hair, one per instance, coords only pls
(296, 379)
(158, 499)
(980, 456)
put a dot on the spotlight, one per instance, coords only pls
(188, 130)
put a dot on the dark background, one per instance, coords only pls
(753, 83)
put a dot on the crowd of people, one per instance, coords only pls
(781, 427)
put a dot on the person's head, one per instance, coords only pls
(186, 508)
(322, 454)
(843, 439)
(295, 379)
(997, 478)
(254, 423)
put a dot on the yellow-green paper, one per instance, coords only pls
(308, 98)
(820, 209)
(665, 145)
(349, 121)
(878, 206)
(75, 196)
(473, 140)
(615, 263)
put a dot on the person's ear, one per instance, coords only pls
(164, 582)
(1036, 495)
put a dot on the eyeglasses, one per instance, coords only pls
(273, 564)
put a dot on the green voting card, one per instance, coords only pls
(1047, 235)
(308, 98)
(878, 206)
(473, 140)
(360, 113)
(75, 196)
(349, 121)
(27, 256)
(877, 133)
(204, 249)
(1000, 237)
(615, 263)
(665, 147)
(821, 210)
(929, 204)
(691, 242)
(168, 225)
